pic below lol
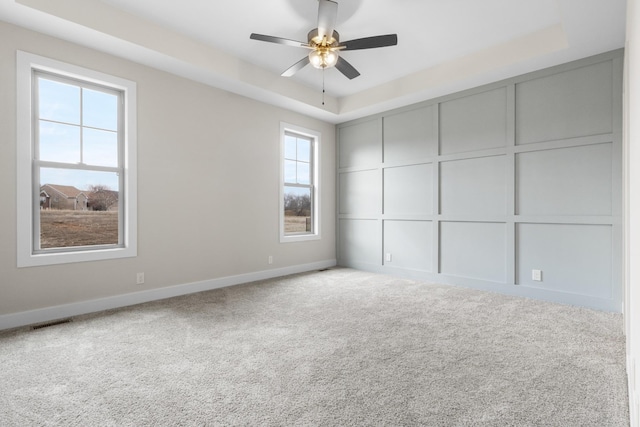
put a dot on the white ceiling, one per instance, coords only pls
(443, 45)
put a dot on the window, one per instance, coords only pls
(299, 190)
(76, 163)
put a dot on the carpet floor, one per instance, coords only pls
(332, 348)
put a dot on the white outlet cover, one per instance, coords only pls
(536, 275)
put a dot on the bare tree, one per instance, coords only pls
(300, 205)
(101, 198)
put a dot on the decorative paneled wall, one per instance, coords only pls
(482, 187)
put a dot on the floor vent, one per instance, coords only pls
(54, 323)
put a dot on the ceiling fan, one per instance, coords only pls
(325, 46)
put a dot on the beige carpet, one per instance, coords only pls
(338, 347)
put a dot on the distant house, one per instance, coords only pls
(54, 196)
(103, 199)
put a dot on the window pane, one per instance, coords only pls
(304, 176)
(100, 147)
(59, 143)
(289, 147)
(304, 150)
(78, 208)
(289, 171)
(99, 110)
(58, 101)
(297, 210)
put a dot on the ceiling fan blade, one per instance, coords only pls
(327, 15)
(296, 67)
(278, 40)
(347, 69)
(371, 42)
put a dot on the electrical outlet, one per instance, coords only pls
(139, 278)
(388, 257)
(270, 259)
(536, 275)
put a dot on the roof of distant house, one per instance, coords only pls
(68, 191)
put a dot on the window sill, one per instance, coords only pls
(299, 238)
(34, 260)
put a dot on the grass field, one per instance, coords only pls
(61, 229)
(295, 224)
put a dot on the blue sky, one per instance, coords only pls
(77, 126)
(297, 154)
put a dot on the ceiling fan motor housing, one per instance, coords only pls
(315, 40)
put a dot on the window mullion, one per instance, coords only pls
(36, 207)
(295, 184)
(35, 170)
(81, 126)
(122, 223)
(76, 166)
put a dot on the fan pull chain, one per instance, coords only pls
(322, 85)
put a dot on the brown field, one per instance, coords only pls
(295, 224)
(61, 229)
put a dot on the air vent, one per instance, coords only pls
(54, 323)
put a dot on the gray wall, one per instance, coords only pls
(481, 187)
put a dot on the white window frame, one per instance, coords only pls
(315, 202)
(26, 187)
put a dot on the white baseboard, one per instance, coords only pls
(634, 410)
(634, 396)
(15, 320)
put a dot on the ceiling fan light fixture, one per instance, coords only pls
(323, 58)
(331, 58)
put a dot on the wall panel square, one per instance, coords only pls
(565, 105)
(573, 258)
(408, 190)
(410, 135)
(475, 250)
(360, 241)
(359, 145)
(360, 193)
(475, 186)
(566, 181)
(474, 122)
(410, 244)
